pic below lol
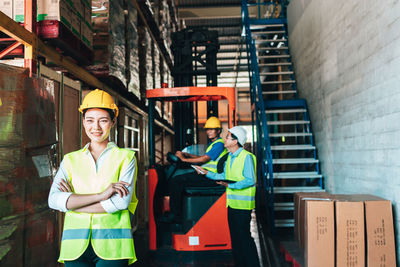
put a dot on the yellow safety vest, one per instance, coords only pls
(243, 199)
(109, 233)
(212, 164)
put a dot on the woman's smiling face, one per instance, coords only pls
(97, 124)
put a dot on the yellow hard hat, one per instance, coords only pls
(99, 99)
(212, 123)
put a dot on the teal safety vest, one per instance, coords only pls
(243, 199)
(212, 164)
(109, 233)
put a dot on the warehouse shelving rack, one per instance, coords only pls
(34, 48)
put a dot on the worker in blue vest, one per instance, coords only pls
(95, 187)
(240, 174)
(209, 160)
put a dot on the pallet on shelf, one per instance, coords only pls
(58, 35)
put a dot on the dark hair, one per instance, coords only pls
(110, 112)
(234, 137)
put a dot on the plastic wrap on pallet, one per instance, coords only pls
(28, 135)
(156, 67)
(165, 25)
(145, 60)
(117, 41)
(134, 83)
(165, 72)
(25, 112)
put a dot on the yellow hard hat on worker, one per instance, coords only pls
(99, 99)
(213, 123)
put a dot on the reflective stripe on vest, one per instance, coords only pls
(243, 199)
(109, 234)
(212, 164)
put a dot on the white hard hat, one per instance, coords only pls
(240, 133)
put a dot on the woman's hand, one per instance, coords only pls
(65, 186)
(115, 188)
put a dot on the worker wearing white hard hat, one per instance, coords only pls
(239, 178)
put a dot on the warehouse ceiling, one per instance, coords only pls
(223, 16)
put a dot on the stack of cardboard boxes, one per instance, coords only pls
(344, 230)
(76, 15)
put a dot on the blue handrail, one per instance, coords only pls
(264, 153)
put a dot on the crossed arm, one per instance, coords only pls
(90, 203)
(115, 197)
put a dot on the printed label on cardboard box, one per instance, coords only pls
(7, 7)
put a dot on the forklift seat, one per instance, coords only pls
(205, 191)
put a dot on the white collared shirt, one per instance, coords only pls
(58, 200)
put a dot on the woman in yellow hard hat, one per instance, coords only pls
(94, 186)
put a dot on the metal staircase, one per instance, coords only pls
(286, 152)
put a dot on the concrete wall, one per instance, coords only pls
(346, 58)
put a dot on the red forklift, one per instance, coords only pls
(204, 230)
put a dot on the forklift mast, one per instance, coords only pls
(195, 54)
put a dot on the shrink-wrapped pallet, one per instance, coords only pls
(156, 67)
(117, 41)
(27, 140)
(109, 40)
(145, 61)
(27, 116)
(133, 41)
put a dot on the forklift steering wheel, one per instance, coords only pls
(173, 159)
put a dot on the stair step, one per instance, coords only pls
(279, 82)
(284, 206)
(279, 92)
(288, 122)
(289, 103)
(276, 73)
(295, 161)
(292, 147)
(266, 32)
(270, 41)
(289, 134)
(284, 222)
(274, 111)
(273, 56)
(265, 26)
(293, 189)
(269, 48)
(296, 175)
(274, 64)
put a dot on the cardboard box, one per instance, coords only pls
(75, 24)
(55, 10)
(6, 6)
(320, 233)
(86, 34)
(350, 241)
(380, 232)
(299, 199)
(19, 10)
(77, 7)
(87, 14)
